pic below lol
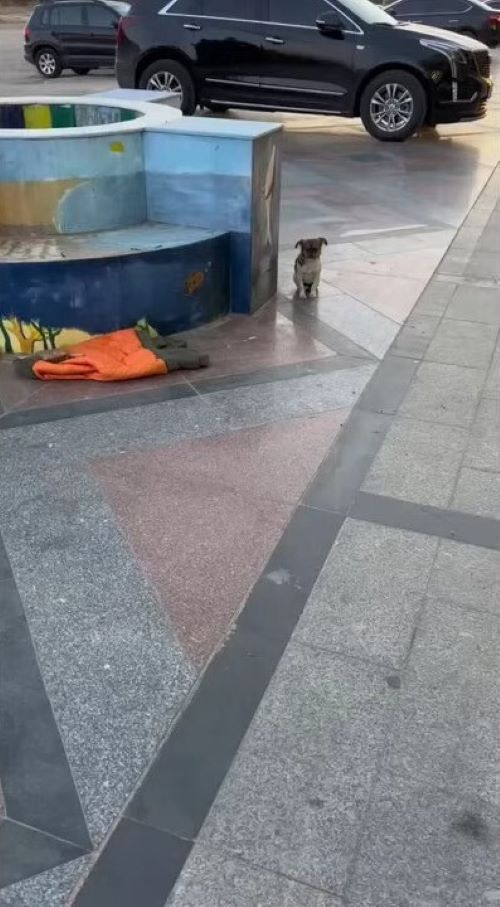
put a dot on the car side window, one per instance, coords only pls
(298, 12)
(188, 8)
(219, 9)
(67, 14)
(100, 17)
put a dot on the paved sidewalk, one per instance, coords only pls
(369, 774)
(138, 522)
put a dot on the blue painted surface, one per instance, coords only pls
(30, 160)
(104, 294)
(103, 204)
(168, 152)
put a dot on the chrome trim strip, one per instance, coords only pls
(252, 106)
(269, 87)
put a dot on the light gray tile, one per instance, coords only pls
(492, 386)
(468, 576)
(211, 879)
(435, 298)
(415, 336)
(484, 264)
(447, 724)
(444, 393)
(48, 889)
(454, 263)
(294, 798)
(425, 848)
(475, 304)
(419, 462)
(484, 448)
(478, 492)
(369, 593)
(463, 343)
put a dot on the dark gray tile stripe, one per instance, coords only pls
(25, 852)
(37, 783)
(301, 315)
(114, 402)
(446, 524)
(182, 782)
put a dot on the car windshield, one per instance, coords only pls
(368, 12)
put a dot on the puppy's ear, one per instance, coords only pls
(323, 241)
(300, 243)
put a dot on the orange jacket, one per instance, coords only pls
(118, 356)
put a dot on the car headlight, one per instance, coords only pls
(451, 51)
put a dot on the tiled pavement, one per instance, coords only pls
(249, 556)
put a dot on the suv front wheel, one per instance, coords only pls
(168, 75)
(393, 106)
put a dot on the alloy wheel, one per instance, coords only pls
(47, 64)
(166, 81)
(391, 107)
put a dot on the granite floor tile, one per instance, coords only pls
(47, 889)
(111, 664)
(492, 386)
(426, 847)
(463, 343)
(415, 336)
(240, 344)
(483, 451)
(392, 297)
(294, 798)
(76, 439)
(478, 492)
(419, 462)
(368, 596)
(248, 498)
(447, 394)
(475, 304)
(484, 264)
(210, 878)
(249, 461)
(446, 726)
(360, 323)
(391, 262)
(468, 576)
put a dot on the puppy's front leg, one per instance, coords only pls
(315, 286)
(301, 288)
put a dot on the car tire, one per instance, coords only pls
(165, 75)
(81, 70)
(48, 63)
(408, 112)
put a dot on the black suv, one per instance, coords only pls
(467, 17)
(74, 34)
(347, 58)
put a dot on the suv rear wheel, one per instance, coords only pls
(393, 106)
(168, 75)
(48, 63)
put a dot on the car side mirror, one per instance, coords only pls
(330, 23)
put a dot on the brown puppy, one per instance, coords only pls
(307, 268)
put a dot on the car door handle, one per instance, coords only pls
(272, 40)
(192, 27)
(454, 21)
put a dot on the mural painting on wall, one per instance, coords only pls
(25, 338)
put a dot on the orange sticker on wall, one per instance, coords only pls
(194, 282)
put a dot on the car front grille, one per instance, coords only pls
(483, 63)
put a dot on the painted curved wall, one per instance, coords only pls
(173, 289)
